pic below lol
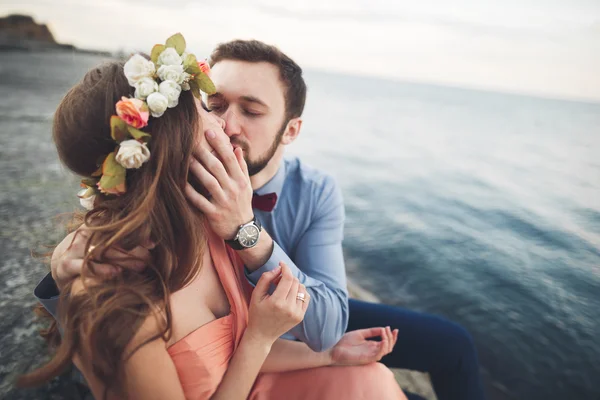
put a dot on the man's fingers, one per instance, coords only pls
(136, 259)
(207, 179)
(73, 268)
(219, 141)
(213, 165)
(239, 154)
(198, 200)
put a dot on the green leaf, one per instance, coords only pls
(177, 42)
(118, 129)
(195, 89)
(113, 173)
(190, 65)
(156, 50)
(205, 83)
(89, 182)
(138, 135)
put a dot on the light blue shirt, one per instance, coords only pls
(307, 226)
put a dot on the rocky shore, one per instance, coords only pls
(411, 381)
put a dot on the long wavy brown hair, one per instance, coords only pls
(99, 322)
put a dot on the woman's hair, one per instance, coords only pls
(99, 322)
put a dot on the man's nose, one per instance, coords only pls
(232, 126)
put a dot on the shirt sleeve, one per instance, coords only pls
(319, 265)
(47, 293)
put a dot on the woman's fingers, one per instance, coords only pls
(302, 289)
(292, 296)
(285, 284)
(262, 286)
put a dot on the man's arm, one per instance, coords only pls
(47, 293)
(319, 265)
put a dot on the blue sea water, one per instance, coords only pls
(482, 207)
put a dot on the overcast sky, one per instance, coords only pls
(543, 47)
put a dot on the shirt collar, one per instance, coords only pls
(275, 184)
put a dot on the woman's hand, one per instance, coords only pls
(354, 348)
(273, 315)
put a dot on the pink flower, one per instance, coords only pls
(117, 190)
(204, 67)
(133, 111)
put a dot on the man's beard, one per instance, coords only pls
(255, 166)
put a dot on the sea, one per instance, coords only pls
(478, 206)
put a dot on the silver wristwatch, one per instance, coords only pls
(247, 236)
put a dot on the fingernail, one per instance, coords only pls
(210, 134)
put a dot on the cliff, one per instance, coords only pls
(21, 32)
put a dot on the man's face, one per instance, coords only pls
(250, 98)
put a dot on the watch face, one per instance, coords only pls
(248, 236)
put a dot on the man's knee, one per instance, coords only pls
(459, 341)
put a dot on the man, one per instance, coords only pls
(299, 213)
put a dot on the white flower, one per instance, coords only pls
(171, 73)
(169, 56)
(86, 199)
(145, 87)
(132, 154)
(171, 90)
(137, 67)
(157, 103)
(88, 202)
(185, 85)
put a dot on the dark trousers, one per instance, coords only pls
(426, 343)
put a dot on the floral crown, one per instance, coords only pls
(158, 83)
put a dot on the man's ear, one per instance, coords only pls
(292, 130)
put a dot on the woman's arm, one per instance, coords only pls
(150, 372)
(355, 348)
(243, 369)
(287, 355)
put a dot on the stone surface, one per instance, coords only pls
(411, 381)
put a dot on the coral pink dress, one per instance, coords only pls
(202, 357)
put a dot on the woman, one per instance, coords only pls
(188, 326)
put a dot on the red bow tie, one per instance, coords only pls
(265, 202)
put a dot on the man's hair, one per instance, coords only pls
(255, 51)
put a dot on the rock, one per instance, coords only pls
(25, 28)
(21, 32)
(410, 381)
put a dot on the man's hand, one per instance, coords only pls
(67, 258)
(224, 174)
